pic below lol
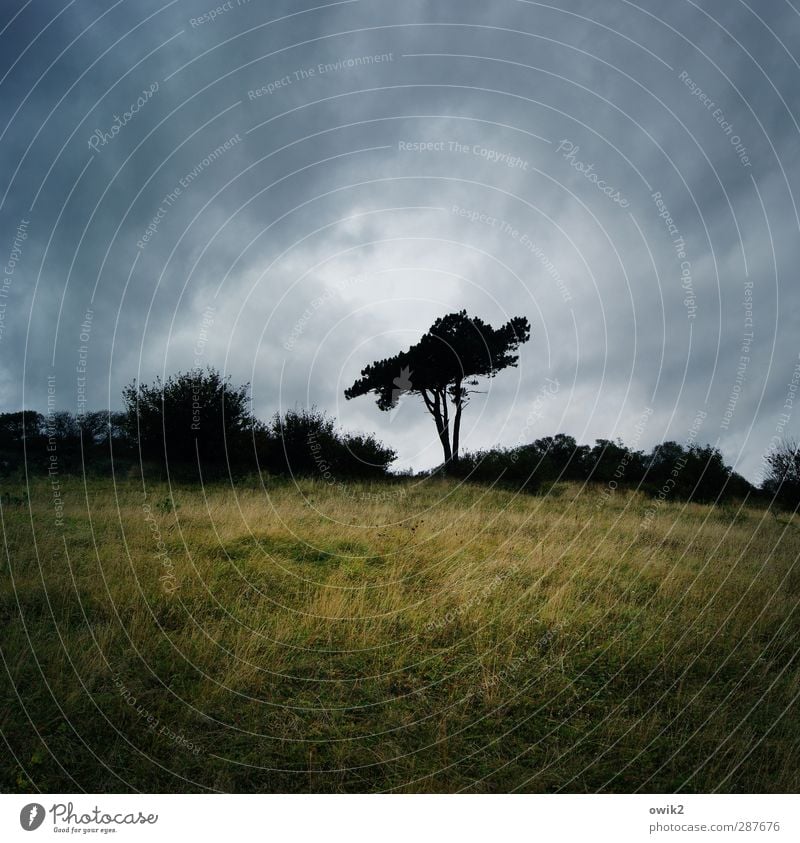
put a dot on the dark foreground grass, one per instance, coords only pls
(428, 637)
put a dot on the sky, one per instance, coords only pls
(287, 191)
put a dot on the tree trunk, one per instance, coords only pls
(442, 428)
(443, 425)
(457, 423)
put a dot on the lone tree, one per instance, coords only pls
(442, 366)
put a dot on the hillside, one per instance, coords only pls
(422, 636)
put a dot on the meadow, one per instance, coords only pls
(418, 636)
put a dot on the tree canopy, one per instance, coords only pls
(443, 367)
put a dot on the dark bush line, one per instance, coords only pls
(783, 474)
(302, 443)
(670, 470)
(194, 424)
(197, 423)
(307, 443)
(60, 443)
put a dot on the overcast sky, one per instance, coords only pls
(289, 191)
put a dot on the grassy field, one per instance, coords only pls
(426, 636)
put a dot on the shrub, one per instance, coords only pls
(307, 443)
(782, 480)
(697, 472)
(191, 415)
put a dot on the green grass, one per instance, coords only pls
(414, 637)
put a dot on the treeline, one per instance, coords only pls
(196, 425)
(58, 442)
(693, 472)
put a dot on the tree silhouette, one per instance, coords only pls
(191, 414)
(441, 368)
(782, 478)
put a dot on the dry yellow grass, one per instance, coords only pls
(420, 636)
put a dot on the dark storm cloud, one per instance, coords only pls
(263, 208)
